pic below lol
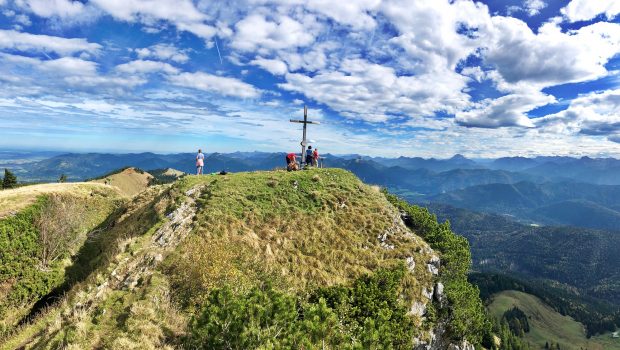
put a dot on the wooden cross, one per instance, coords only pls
(304, 142)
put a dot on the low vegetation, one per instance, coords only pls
(367, 315)
(37, 243)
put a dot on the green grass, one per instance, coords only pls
(303, 229)
(547, 325)
(298, 230)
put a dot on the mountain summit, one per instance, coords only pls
(291, 259)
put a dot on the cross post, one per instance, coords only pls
(304, 141)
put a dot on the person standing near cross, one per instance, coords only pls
(304, 141)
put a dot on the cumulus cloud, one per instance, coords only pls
(182, 13)
(212, 83)
(552, 56)
(19, 41)
(49, 8)
(356, 14)
(163, 52)
(273, 66)
(256, 33)
(144, 67)
(369, 91)
(61, 73)
(505, 111)
(438, 34)
(596, 113)
(584, 10)
(531, 7)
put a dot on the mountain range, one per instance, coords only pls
(542, 190)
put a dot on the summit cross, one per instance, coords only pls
(304, 142)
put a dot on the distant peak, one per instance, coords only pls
(458, 157)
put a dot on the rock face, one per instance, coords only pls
(440, 341)
(131, 270)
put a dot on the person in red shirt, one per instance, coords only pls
(291, 162)
(315, 157)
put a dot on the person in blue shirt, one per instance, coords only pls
(309, 156)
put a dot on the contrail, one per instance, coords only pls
(218, 50)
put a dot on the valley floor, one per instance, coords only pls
(547, 325)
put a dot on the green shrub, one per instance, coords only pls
(366, 315)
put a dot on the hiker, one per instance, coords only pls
(315, 157)
(309, 156)
(200, 162)
(291, 162)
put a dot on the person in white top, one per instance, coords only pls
(200, 162)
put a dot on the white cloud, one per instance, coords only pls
(163, 52)
(437, 34)
(65, 71)
(182, 13)
(255, 32)
(273, 66)
(356, 14)
(550, 57)
(23, 20)
(363, 90)
(476, 73)
(142, 67)
(49, 8)
(20, 19)
(61, 67)
(596, 113)
(531, 7)
(505, 111)
(212, 83)
(583, 10)
(13, 40)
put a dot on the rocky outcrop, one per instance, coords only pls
(439, 340)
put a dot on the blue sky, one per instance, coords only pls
(385, 77)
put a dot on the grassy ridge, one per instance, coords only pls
(319, 239)
(306, 229)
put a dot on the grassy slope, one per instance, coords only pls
(308, 229)
(12, 201)
(129, 181)
(300, 230)
(547, 324)
(22, 278)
